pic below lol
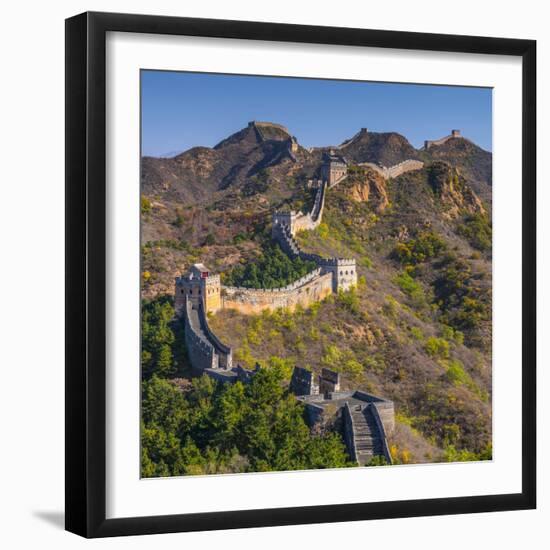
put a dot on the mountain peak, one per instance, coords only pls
(257, 132)
(385, 148)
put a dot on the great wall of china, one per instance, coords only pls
(365, 419)
(431, 143)
(395, 170)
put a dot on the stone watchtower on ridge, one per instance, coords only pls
(198, 285)
(344, 273)
(334, 168)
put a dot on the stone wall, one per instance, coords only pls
(384, 407)
(396, 169)
(211, 292)
(329, 381)
(224, 353)
(382, 431)
(300, 221)
(200, 352)
(354, 138)
(313, 287)
(349, 438)
(431, 142)
(386, 412)
(344, 270)
(204, 349)
(303, 382)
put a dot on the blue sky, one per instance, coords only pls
(182, 110)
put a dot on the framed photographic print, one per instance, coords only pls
(300, 274)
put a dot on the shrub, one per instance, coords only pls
(478, 231)
(461, 300)
(437, 347)
(283, 366)
(323, 231)
(365, 261)
(377, 460)
(146, 205)
(449, 333)
(390, 307)
(400, 456)
(425, 246)
(350, 300)
(411, 287)
(239, 238)
(457, 375)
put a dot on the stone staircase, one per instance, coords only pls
(368, 441)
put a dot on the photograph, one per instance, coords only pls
(316, 273)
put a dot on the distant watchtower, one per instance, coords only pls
(334, 168)
(293, 144)
(431, 142)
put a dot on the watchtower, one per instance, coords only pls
(329, 381)
(344, 273)
(199, 286)
(293, 144)
(283, 218)
(334, 167)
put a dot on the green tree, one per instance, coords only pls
(216, 427)
(274, 269)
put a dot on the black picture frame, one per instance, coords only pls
(86, 274)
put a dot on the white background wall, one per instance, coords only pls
(31, 271)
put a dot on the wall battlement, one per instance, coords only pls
(312, 288)
(367, 420)
(430, 143)
(395, 170)
(203, 347)
(300, 221)
(200, 292)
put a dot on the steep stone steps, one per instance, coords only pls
(368, 441)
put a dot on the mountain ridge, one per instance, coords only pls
(418, 326)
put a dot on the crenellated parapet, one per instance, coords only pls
(366, 420)
(300, 221)
(202, 354)
(313, 287)
(395, 170)
(430, 143)
(353, 139)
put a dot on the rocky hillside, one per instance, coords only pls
(417, 329)
(474, 163)
(384, 148)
